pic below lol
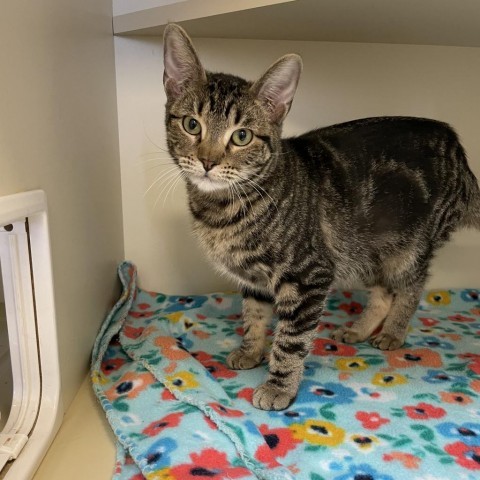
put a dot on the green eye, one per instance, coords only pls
(191, 125)
(242, 137)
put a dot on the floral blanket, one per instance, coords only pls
(179, 413)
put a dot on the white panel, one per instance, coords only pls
(340, 82)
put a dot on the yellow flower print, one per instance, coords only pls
(351, 364)
(99, 378)
(439, 297)
(365, 443)
(163, 474)
(318, 432)
(174, 317)
(181, 381)
(388, 379)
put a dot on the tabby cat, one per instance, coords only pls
(365, 201)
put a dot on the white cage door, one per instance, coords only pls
(36, 411)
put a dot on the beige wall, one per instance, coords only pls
(58, 132)
(341, 81)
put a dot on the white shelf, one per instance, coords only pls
(425, 22)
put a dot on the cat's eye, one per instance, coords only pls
(192, 125)
(242, 137)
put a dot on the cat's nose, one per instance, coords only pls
(207, 164)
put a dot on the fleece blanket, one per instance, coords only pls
(179, 413)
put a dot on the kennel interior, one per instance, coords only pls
(82, 119)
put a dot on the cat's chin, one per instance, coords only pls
(206, 184)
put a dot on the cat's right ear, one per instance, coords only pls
(182, 66)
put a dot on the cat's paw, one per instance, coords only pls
(347, 335)
(269, 397)
(239, 360)
(386, 341)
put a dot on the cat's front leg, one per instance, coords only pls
(257, 314)
(299, 308)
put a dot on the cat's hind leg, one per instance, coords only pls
(374, 314)
(256, 318)
(394, 330)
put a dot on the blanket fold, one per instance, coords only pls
(158, 369)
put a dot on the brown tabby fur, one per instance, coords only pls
(368, 200)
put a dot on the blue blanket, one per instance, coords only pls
(179, 413)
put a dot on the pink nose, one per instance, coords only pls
(207, 164)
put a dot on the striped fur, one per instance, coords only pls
(365, 201)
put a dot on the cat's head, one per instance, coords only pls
(222, 129)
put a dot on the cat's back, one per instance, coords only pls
(406, 139)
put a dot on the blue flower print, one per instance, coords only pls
(468, 433)
(440, 376)
(311, 368)
(184, 342)
(178, 304)
(157, 455)
(294, 415)
(329, 392)
(470, 295)
(363, 472)
(434, 342)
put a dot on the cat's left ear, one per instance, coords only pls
(276, 88)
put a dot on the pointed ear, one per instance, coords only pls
(278, 84)
(182, 66)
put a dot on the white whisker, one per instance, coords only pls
(173, 185)
(168, 182)
(158, 179)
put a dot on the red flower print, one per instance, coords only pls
(472, 356)
(130, 385)
(408, 460)
(325, 346)
(210, 423)
(169, 348)
(278, 442)
(352, 308)
(132, 332)
(225, 412)
(202, 356)
(428, 322)
(455, 397)
(326, 326)
(201, 334)
(406, 358)
(109, 366)
(158, 426)
(475, 385)
(208, 464)
(141, 314)
(424, 411)
(475, 367)
(234, 316)
(372, 420)
(143, 306)
(246, 393)
(460, 318)
(465, 455)
(167, 395)
(218, 370)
